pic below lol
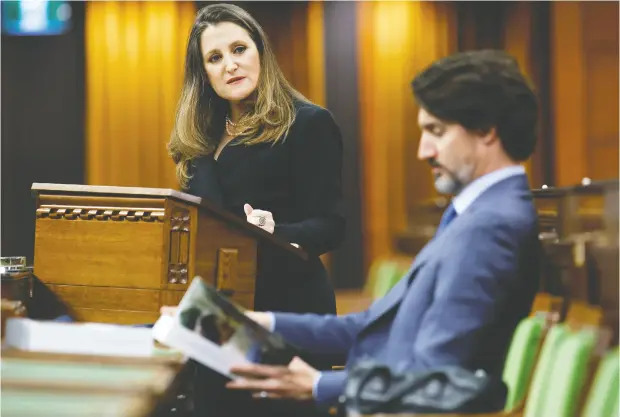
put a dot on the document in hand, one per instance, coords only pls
(210, 329)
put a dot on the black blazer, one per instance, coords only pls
(299, 181)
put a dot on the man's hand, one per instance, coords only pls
(264, 319)
(168, 310)
(294, 382)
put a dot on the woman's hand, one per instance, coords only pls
(260, 218)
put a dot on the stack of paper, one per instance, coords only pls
(78, 338)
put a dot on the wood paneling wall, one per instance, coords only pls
(295, 30)
(521, 29)
(525, 35)
(479, 24)
(135, 55)
(316, 53)
(397, 39)
(342, 85)
(517, 42)
(584, 78)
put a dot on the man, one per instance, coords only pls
(476, 279)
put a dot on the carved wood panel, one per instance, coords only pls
(178, 253)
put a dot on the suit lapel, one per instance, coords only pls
(396, 294)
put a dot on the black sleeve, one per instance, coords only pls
(203, 182)
(316, 165)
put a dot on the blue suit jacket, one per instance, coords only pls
(458, 305)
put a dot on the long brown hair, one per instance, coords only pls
(200, 114)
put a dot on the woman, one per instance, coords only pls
(246, 140)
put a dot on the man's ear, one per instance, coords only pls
(489, 136)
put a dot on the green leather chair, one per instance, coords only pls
(521, 359)
(540, 378)
(602, 400)
(561, 373)
(384, 274)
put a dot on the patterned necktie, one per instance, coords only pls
(448, 215)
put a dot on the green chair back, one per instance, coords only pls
(541, 377)
(602, 400)
(383, 276)
(569, 374)
(561, 373)
(521, 359)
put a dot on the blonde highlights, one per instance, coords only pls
(200, 114)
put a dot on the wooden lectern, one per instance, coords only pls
(117, 254)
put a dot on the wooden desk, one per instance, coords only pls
(45, 402)
(44, 384)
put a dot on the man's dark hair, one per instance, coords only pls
(481, 90)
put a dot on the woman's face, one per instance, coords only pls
(231, 60)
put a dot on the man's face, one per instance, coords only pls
(450, 150)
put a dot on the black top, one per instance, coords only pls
(299, 181)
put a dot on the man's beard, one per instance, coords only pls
(449, 182)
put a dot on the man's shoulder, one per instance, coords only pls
(508, 205)
(490, 242)
(505, 214)
(506, 222)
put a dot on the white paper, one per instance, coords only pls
(202, 350)
(213, 331)
(78, 338)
